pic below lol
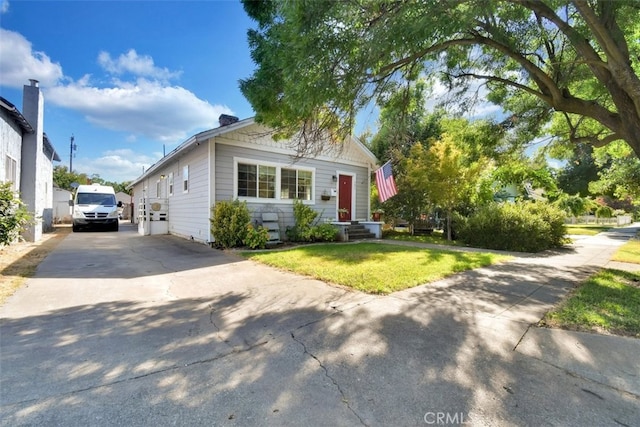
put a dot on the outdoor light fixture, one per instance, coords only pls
(334, 178)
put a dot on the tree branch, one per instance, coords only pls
(505, 81)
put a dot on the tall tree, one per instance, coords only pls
(320, 62)
(445, 174)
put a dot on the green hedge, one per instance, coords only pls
(520, 227)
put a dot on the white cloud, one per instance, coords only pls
(147, 108)
(117, 165)
(131, 62)
(4, 7)
(19, 62)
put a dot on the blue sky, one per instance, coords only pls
(126, 77)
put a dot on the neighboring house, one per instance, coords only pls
(510, 192)
(27, 158)
(240, 160)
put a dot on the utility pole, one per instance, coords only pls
(73, 148)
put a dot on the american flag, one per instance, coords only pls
(385, 182)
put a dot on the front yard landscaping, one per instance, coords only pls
(629, 252)
(607, 302)
(375, 268)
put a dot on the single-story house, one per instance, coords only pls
(27, 156)
(240, 160)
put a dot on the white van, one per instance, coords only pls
(95, 205)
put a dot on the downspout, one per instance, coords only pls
(212, 184)
(147, 209)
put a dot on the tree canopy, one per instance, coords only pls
(573, 62)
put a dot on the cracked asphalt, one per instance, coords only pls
(120, 329)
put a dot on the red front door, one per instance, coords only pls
(344, 197)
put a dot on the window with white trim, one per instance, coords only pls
(295, 184)
(11, 172)
(158, 189)
(171, 184)
(270, 181)
(185, 179)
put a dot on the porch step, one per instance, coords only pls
(359, 232)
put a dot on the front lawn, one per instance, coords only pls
(374, 267)
(607, 302)
(629, 252)
(435, 238)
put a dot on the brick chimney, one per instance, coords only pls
(226, 120)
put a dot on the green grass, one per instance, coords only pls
(629, 252)
(608, 301)
(435, 238)
(374, 267)
(586, 230)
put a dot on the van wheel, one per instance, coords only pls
(114, 227)
(75, 228)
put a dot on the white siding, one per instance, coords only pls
(188, 211)
(10, 145)
(323, 181)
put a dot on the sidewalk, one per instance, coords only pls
(606, 359)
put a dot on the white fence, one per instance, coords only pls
(591, 219)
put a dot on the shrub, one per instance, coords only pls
(229, 223)
(323, 233)
(307, 228)
(521, 227)
(13, 215)
(256, 238)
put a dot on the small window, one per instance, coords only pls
(11, 172)
(158, 189)
(171, 184)
(185, 178)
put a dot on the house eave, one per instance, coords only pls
(17, 117)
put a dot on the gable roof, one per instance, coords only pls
(204, 136)
(21, 121)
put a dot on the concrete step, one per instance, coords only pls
(359, 232)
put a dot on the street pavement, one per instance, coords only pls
(121, 329)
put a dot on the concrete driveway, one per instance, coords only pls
(120, 329)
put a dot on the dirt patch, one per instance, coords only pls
(20, 260)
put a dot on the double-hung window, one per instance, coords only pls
(185, 178)
(11, 172)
